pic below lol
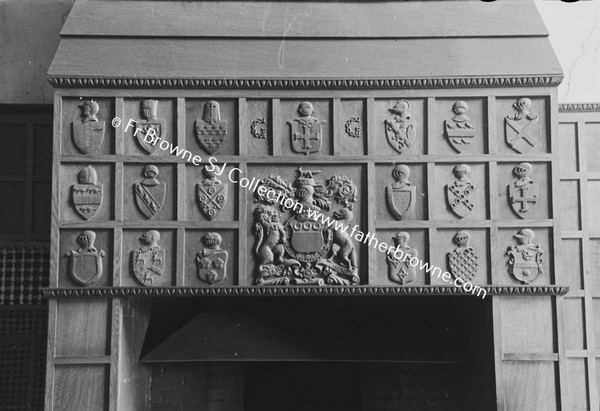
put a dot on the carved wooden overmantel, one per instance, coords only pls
(442, 145)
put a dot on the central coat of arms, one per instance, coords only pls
(88, 133)
(150, 193)
(521, 128)
(306, 131)
(401, 130)
(211, 131)
(399, 268)
(400, 195)
(211, 193)
(87, 195)
(458, 192)
(312, 246)
(148, 262)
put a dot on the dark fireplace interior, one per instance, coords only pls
(320, 353)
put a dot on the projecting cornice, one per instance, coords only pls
(305, 84)
(298, 291)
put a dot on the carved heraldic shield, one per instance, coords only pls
(212, 261)
(459, 130)
(87, 195)
(463, 262)
(304, 250)
(400, 131)
(306, 131)
(211, 131)
(211, 194)
(401, 195)
(458, 192)
(85, 265)
(148, 262)
(399, 268)
(525, 259)
(150, 194)
(521, 128)
(150, 127)
(523, 194)
(88, 133)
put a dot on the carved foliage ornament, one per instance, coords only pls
(459, 191)
(306, 131)
(211, 131)
(463, 262)
(211, 262)
(88, 133)
(400, 130)
(148, 262)
(150, 120)
(303, 249)
(523, 193)
(459, 130)
(211, 193)
(150, 193)
(401, 195)
(87, 195)
(85, 263)
(525, 259)
(521, 128)
(399, 268)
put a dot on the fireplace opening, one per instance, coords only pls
(321, 353)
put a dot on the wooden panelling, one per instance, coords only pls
(81, 387)
(530, 386)
(83, 328)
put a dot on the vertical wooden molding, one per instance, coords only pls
(552, 133)
(118, 191)
(243, 138)
(371, 213)
(432, 245)
(243, 249)
(586, 251)
(50, 351)
(336, 127)
(115, 354)
(117, 274)
(180, 272)
(182, 191)
(276, 127)
(497, 337)
(370, 126)
(55, 213)
(180, 119)
(492, 138)
(492, 197)
(120, 131)
(495, 258)
(430, 195)
(430, 116)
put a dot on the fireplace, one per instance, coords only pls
(334, 353)
(228, 181)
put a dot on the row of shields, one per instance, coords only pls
(522, 133)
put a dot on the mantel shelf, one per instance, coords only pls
(274, 291)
